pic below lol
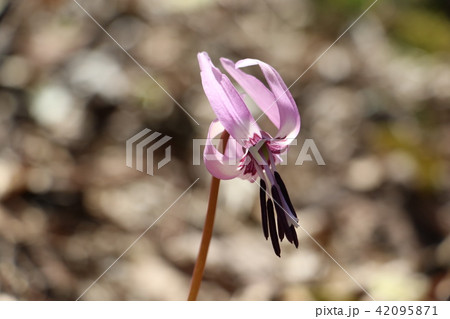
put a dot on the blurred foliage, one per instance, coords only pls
(345, 6)
(430, 165)
(424, 29)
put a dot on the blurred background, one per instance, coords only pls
(376, 105)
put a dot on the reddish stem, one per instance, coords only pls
(207, 231)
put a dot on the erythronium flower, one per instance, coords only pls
(252, 152)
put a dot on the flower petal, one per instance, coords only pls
(262, 96)
(222, 166)
(289, 118)
(226, 102)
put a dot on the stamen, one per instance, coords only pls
(294, 235)
(289, 235)
(283, 226)
(285, 193)
(262, 200)
(280, 225)
(289, 231)
(272, 228)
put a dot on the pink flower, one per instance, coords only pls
(252, 152)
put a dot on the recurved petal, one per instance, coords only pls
(222, 166)
(226, 102)
(289, 117)
(262, 96)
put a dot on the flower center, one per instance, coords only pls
(260, 152)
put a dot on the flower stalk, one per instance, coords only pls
(199, 268)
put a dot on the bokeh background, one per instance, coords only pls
(376, 105)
